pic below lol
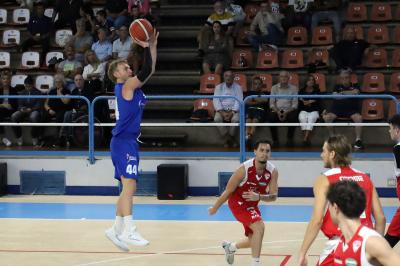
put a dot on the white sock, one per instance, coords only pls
(256, 262)
(232, 247)
(118, 224)
(128, 224)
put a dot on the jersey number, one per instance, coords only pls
(131, 169)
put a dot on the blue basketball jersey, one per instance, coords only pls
(128, 113)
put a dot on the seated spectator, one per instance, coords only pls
(216, 51)
(86, 13)
(226, 19)
(93, 72)
(327, 10)
(348, 53)
(283, 109)
(346, 108)
(117, 11)
(81, 41)
(309, 108)
(103, 47)
(54, 109)
(69, 67)
(256, 109)
(136, 13)
(123, 45)
(142, 5)
(28, 109)
(68, 13)
(298, 13)
(269, 25)
(79, 108)
(227, 109)
(104, 23)
(7, 106)
(25, 3)
(238, 14)
(39, 28)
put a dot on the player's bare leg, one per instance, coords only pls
(256, 241)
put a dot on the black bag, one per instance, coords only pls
(200, 115)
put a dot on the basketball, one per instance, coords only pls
(141, 29)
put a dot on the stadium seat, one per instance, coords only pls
(392, 109)
(322, 35)
(395, 83)
(208, 82)
(50, 55)
(373, 83)
(320, 80)
(378, 34)
(396, 34)
(44, 82)
(357, 28)
(266, 80)
(241, 79)
(267, 59)
(376, 58)
(381, 12)
(294, 79)
(3, 16)
(241, 38)
(5, 60)
(237, 56)
(321, 55)
(21, 16)
(62, 37)
(292, 58)
(356, 12)
(206, 104)
(372, 109)
(97, 9)
(18, 80)
(11, 37)
(251, 11)
(397, 14)
(297, 36)
(30, 60)
(396, 58)
(48, 12)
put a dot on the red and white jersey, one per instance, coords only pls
(347, 173)
(251, 182)
(353, 252)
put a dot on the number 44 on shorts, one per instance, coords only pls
(131, 169)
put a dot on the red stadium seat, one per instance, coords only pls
(372, 109)
(322, 35)
(395, 83)
(320, 80)
(373, 83)
(297, 36)
(321, 55)
(208, 82)
(396, 58)
(358, 30)
(239, 56)
(205, 104)
(378, 34)
(292, 58)
(356, 12)
(376, 58)
(241, 79)
(396, 35)
(392, 109)
(267, 81)
(267, 59)
(381, 12)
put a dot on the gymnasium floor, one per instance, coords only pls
(69, 230)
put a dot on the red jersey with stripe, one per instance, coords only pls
(251, 182)
(347, 173)
(353, 252)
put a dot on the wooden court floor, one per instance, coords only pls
(74, 242)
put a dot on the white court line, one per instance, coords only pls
(182, 251)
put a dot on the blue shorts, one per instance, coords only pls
(125, 157)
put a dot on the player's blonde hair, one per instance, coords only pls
(113, 67)
(342, 148)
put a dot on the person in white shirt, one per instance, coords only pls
(94, 68)
(123, 45)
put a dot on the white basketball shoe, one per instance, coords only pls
(112, 235)
(133, 237)
(229, 255)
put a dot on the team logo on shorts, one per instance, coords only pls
(350, 262)
(130, 158)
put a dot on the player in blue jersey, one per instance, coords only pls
(130, 101)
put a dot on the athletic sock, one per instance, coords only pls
(118, 224)
(128, 224)
(256, 262)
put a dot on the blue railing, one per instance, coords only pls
(242, 122)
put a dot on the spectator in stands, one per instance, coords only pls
(309, 108)
(227, 109)
(327, 10)
(142, 5)
(216, 51)
(7, 106)
(238, 14)
(123, 45)
(28, 109)
(69, 67)
(117, 11)
(226, 19)
(79, 108)
(103, 22)
(283, 109)
(346, 108)
(269, 25)
(298, 14)
(103, 47)
(256, 109)
(135, 57)
(86, 13)
(135, 13)
(93, 72)
(68, 13)
(54, 109)
(25, 3)
(39, 28)
(81, 41)
(348, 53)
